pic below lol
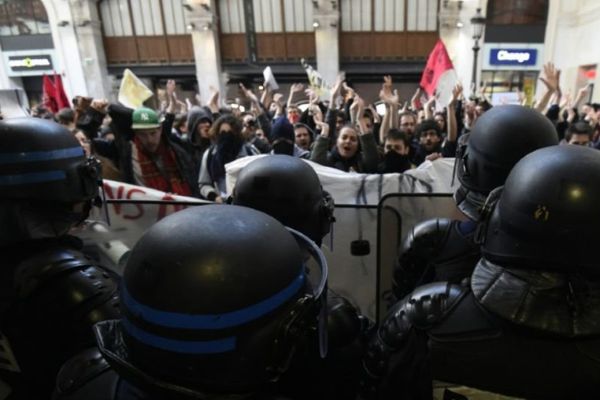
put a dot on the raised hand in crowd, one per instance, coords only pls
(336, 89)
(429, 105)
(313, 96)
(267, 95)
(551, 79)
(100, 105)
(376, 116)
(171, 97)
(386, 94)
(360, 109)
(582, 93)
(317, 115)
(249, 94)
(278, 101)
(295, 88)
(213, 102)
(451, 112)
(415, 101)
(350, 93)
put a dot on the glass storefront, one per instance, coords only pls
(503, 86)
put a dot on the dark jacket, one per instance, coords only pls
(195, 144)
(119, 150)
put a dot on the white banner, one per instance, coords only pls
(354, 188)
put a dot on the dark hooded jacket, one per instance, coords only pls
(195, 144)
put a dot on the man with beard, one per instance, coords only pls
(396, 149)
(431, 143)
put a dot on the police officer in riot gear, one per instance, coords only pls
(50, 293)
(217, 302)
(443, 249)
(527, 325)
(289, 190)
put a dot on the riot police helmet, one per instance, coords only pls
(546, 217)
(499, 139)
(47, 184)
(42, 160)
(214, 300)
(289, 190)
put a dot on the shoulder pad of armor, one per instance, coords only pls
(79, 370)
(40, 269)
(344, 323)
(421, 309)
(426, 236)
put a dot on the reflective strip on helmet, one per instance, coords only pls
(32, 177)
(33, 156)
(180, 346)
(211, 321)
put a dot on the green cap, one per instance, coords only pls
(144, 118)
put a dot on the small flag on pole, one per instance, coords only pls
(316, 81)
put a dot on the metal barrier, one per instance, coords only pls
(360, 250)
(398, 213)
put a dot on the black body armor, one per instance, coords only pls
(435, 250)
(442, 331)
(51, 296)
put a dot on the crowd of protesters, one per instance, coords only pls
(183, 148)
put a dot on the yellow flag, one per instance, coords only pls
(133, 92)
(316, 81)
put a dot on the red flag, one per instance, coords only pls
(437, 63)
(61, 97)
(49, 94)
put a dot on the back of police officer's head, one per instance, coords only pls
(546, 216)
(500, 138)
(214, 299)
(46, 182)
(289, 190)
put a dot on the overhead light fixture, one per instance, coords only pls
(207, 26)
(191, 26)
(316, 24)
(459, 24)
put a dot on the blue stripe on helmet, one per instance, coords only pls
(32, 177)
(33, 156)
(211, 321)
(180, 346)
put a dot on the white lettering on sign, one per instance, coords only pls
(29, 62)
(504, 55)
